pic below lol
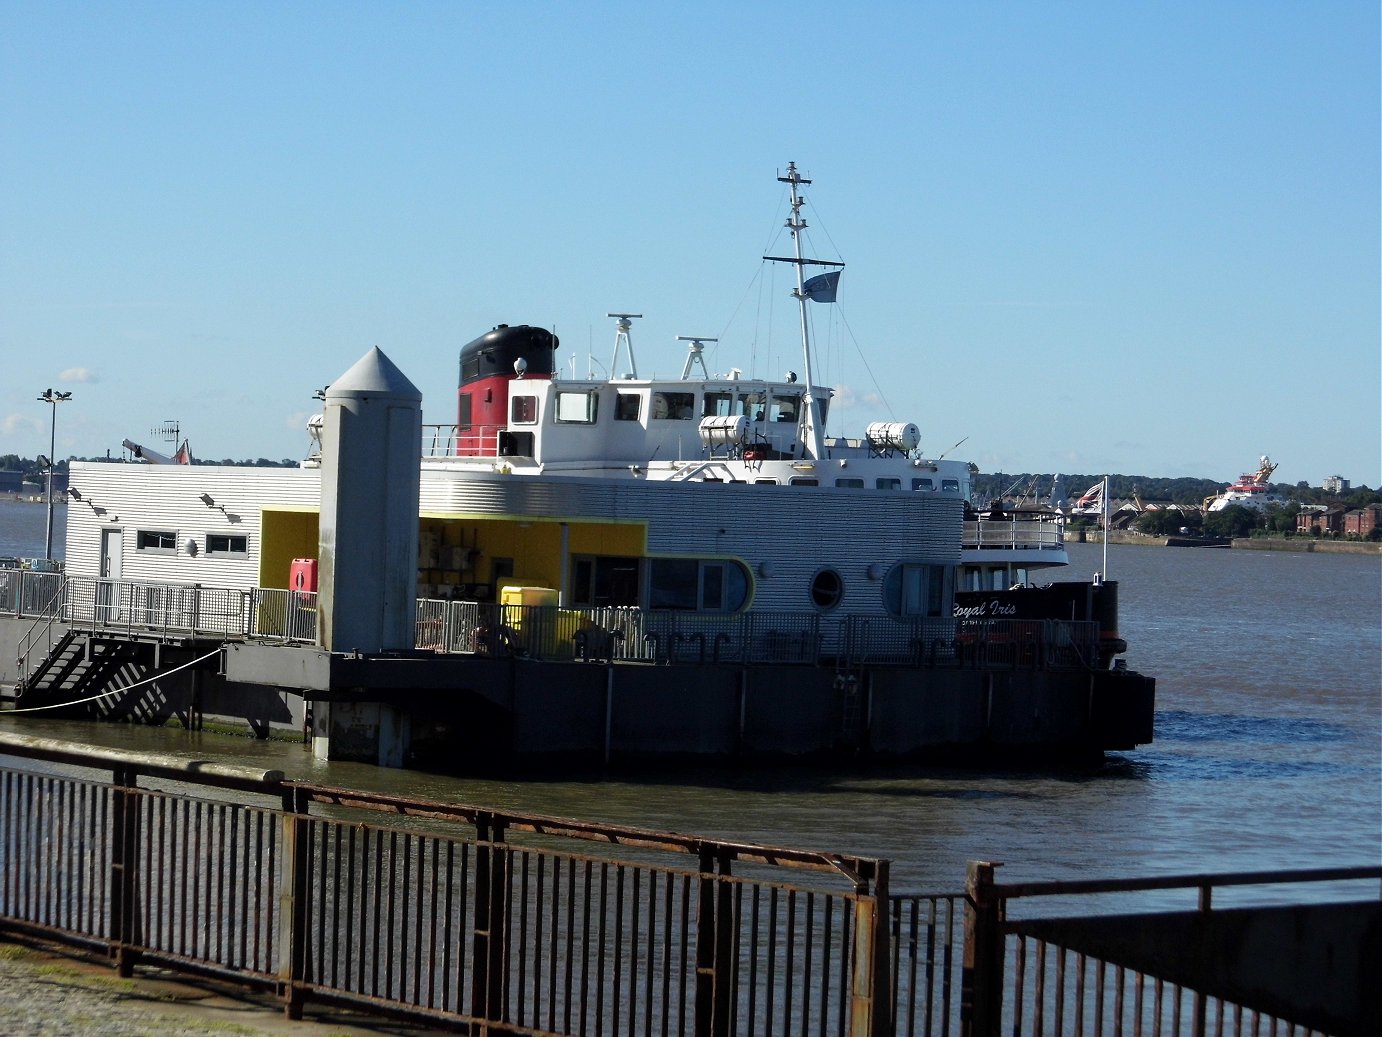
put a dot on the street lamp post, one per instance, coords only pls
(53, 398)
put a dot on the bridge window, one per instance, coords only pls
(523, 410)
(718, 405)
(927, 484)
(888, 484)
(578, 408)
(676, 406)
(950, 485)
(627, 406)
(784, 408)
(853, 484)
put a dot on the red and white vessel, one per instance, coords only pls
(1250, 491)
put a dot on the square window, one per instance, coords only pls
(156, 540)
(226, 544)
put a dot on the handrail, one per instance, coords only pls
(174, 610)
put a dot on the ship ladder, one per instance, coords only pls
(851, 690)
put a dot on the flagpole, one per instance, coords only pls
(1104, 495)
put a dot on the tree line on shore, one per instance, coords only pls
(30, 466)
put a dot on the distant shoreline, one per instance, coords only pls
(1300, 546)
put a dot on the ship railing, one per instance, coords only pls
(1014, 533)
(460, 440)
(1028, 644)
(549, 632)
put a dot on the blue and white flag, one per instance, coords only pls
(821, 288)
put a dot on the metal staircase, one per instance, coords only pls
(76, 667)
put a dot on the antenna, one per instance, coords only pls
(169, 430)
(942, 457)
(694, 354)
(624, 321)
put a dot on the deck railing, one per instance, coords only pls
(1027, 534)
(161, 610)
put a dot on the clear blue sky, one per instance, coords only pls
(1135, 238)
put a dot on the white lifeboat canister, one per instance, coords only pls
(724, 430)
(893, 435)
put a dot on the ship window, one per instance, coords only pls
(697, 585)
(765, 482)
(827, 589)
(950, 485)
(803, 480)
(914, 590)
(784, 408)
(927, 484)
(718, 405)
(676, 406)
(578, 408)
(226, 544)
(626, 406)
(853, 484)
(598, 580)
(156, 540)
(463, 411)
(888, 484)
(523, 410)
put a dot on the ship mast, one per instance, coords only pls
(814, 432)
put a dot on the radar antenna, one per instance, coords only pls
(695, 354)
(624, 321)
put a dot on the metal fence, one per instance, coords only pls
(446, 912)
(1040, 973)
(463, 915)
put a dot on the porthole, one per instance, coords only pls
(827, 589)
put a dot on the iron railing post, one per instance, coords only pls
(981, 980)
(871, 993)
(124, 860)
(488, 965)
(294, 904)
(714, 945)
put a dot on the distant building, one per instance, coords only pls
(1335, 484)
(1319, 518)
(1363, 521)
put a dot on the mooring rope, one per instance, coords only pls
(117, 691)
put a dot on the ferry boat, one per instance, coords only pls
(1252, 490)
(698, 520)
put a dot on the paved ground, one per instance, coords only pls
(44, 993)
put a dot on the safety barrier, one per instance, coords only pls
(555, 633)
(450, 913)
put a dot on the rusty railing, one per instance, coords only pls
(441, 912)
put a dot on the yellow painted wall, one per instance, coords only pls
(535, 547)
(285, 535)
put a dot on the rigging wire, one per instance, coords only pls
(117, 691)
